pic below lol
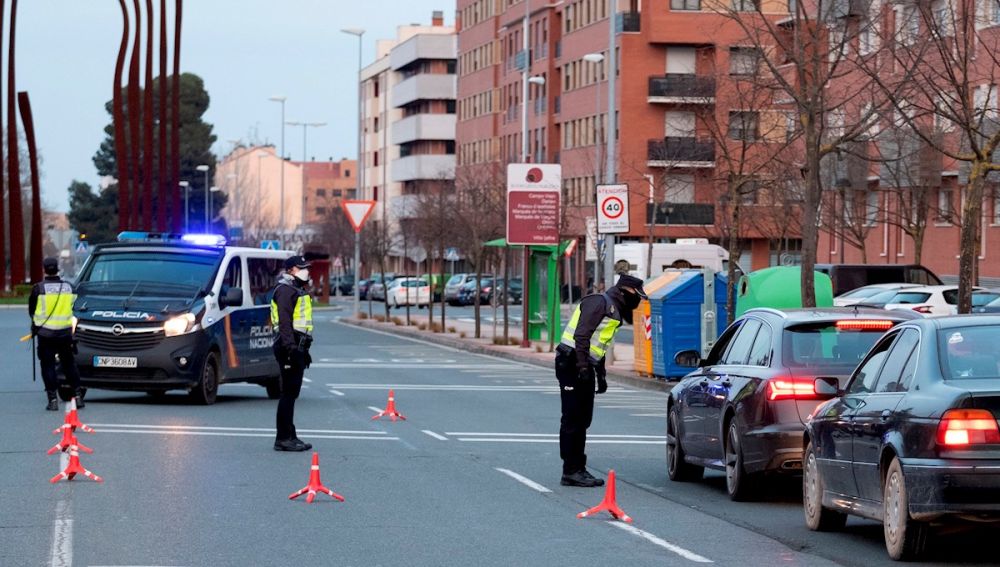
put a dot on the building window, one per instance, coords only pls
(996, 206)
(376, 123)
(321, 192)
(347, 173)
(946, 206)
(743, 60)
(871, 208)
(375, 159)
(337, 192)
(685, 5)
(743, 125)
(375, 88)
(321, 211)
(745, 5)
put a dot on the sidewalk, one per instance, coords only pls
(459, 335)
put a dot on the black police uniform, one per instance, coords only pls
(291, 349)
(577, 375)
(53, 343)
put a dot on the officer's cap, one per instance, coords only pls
(50, 265)
(633, 282)
(296, 262)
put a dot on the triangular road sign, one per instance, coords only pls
(358, 212)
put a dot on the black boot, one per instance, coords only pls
(53, 401)
(79, 399)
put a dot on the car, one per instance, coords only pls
(846, 277)
(345, 284)
(912, 440)
(376, 289)
(454, 284)
(860, 294)
(363, 288)
(743, 410)
(932, 300)
(491, 290)
(408, 291)
(879, 300)
(467, 293)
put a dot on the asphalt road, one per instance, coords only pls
(471, 478)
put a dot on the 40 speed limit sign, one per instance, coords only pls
(612, 209)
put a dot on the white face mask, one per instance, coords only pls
(302, 275)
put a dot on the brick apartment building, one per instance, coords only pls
(326, 184)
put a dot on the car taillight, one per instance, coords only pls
(486, 289)
(967, 427)
(864, 325)
(922, 309)
(791, 389)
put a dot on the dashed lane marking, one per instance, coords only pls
(61, 554)
(336, 392)
(524, 480)
(689, 555)
(595, 439)
(375, 409)
(448, 387)
(437, 436)
(212, 428)
(405, 365)
(233, 434)
(589, 435)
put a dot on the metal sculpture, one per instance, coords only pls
(147, 126)
(175, 92)
(3, 227)
(134, 115)
(35, 246)
(118, 122)
(16, 212)
(161, 172)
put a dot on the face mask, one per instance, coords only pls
(302, 275)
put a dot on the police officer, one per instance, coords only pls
(291, 316)
(51, 308)
(580, 363)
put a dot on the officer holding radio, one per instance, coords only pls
(291, 316)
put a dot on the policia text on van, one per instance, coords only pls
(160, 312)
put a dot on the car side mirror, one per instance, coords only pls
(232, 298)
(689, 359)
(827, 388)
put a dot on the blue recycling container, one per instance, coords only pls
(677, 311)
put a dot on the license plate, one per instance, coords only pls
(116, 362)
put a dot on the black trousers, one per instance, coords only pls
(577, 398)
(48, 348)
(292, 370)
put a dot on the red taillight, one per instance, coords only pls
(864, 325)
(967, 427)
(922, 309)
(791, 389)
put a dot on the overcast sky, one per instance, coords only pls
(245, 50)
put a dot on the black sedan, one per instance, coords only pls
(743, 410)
(913, 439)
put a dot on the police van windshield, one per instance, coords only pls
(179, 273)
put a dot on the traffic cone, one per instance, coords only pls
(390, 409)
(68, 440)
(72, 419)
(608, 504)
(315, 485)
(73, 468)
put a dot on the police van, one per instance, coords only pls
(158, 312)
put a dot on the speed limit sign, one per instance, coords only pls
(612, 209)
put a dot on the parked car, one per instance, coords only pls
(408, 291)
(454, 284)
(363, 286)
(344, 285)
(912, 439)
(879, 300)
(467, 293)
(376, 290)
(515, 291)
(435, 282)
(743, 410)
(932, 300)
(846, 277)
(860, 294)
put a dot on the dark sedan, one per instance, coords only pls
(743, 410)
(913, 438)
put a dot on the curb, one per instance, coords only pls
(615, 377)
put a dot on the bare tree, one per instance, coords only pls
(434, 212)
(378, 241)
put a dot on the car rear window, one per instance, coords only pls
(910, 297)
(969, 352)
(861, 293)
(827, 344)
(455, 280)
(414, 283)
(981, 299)
(882, 297)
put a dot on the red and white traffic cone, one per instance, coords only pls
(72, 419)
(68, 440)
(315, 485)
(609, 504)
(73, 468)
(390, 409)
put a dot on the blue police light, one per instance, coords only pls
(143, 236)
(204, 239)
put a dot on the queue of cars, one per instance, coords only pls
(458, 290)
(888, 414)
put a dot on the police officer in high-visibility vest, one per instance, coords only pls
(291, 316)
(588, 336)
(50, 306)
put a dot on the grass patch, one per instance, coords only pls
(461, 335)
(436, 328)
(397, 321)
(452, 329)
(513, 342)
(538, 348)
(362, 315)
(379, 318)
(422, 326)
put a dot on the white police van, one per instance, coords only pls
(158, 312)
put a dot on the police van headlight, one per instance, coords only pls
(179, 325)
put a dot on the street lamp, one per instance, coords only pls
(185, 185)
(281, 215)
(204, 169)
(359, 33)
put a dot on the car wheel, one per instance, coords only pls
(677, 468)
(818, 518)
(205, 392)
(737, 480)
(905, 538)
(273, 386)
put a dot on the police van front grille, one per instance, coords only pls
(126, 341)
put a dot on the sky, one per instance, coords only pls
(245, 50)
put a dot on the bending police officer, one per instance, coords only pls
(291, 316)
(50, 306)
(580, 363)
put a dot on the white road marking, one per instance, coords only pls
(228, 434)
(406, 365)
(556, 440)
(689, 555)
(544, 389)
(62, 536)
(524, 480)
(435, 435)
(647, 415)
(375, 409)
(208, 428)
(589, 435)
(306, 380)
(336, 392)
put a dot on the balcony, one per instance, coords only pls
(424, 87)
(422, 47)
(424, 127)
(688, 153)
(629, 22)
(432, 167)
(676, 214)
(677, 88)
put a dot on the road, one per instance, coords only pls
(470, 478)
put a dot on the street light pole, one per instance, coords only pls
(597, 59)
(609, 136)
(204, 169)
(281, 215)
(359, 33)
(187, 209)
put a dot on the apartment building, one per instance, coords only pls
(327, 183)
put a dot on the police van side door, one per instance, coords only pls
(234, 322)
(262, 273)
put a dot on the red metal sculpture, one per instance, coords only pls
(16, 213)
(118, 121)
(35, 246)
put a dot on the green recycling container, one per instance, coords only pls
(779, 287)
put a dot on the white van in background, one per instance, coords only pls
(685, 253)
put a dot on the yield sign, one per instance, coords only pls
(358, 212)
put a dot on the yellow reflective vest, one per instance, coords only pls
(302, 318)
(54, 310)
(604, 334)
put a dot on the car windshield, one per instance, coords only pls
(969, 352)
(414, 283)
(979, 299)
(862, 293)
(455, 280)
(908, 297)
(829, 343)
(149, 273)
